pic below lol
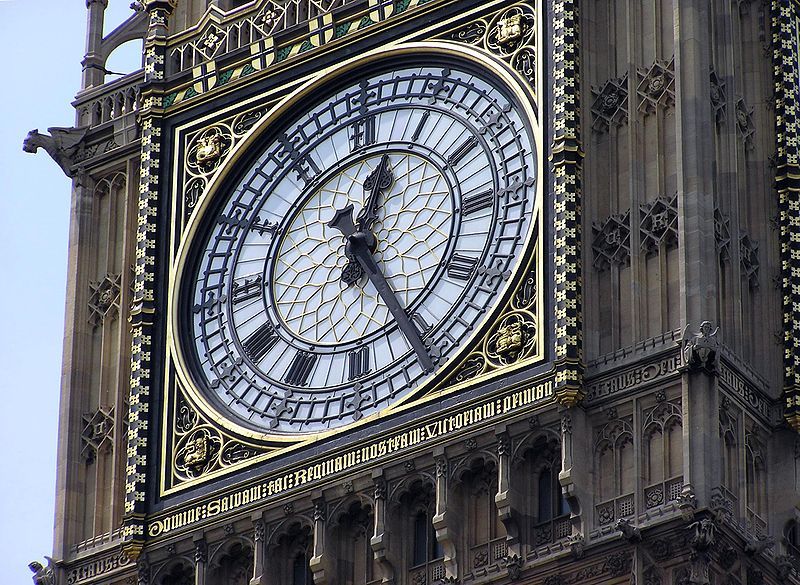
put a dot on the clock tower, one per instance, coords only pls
(410, 292)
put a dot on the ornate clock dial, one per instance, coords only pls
(360, 247)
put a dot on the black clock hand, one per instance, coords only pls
(376, 182)
(358, 247)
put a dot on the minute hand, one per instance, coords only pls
(357, 244)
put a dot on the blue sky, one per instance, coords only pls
(43, 43)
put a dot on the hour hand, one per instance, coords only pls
(343, 221)
(358, 250)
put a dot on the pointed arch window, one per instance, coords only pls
(614, 472)
(352, 552)
(662, 440)
(755, 484)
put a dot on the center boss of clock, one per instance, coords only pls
(364, 236)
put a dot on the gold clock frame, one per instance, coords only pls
(437, 385)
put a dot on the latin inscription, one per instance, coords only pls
(464, 420)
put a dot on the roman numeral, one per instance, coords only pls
(462, 151)
(421, 125)
(263, 227)
(303, 165)
(419, 321)
(260, 342)
(358, 361)
(363, 133)
(461, 267)
(477, 202)
(244, 291)
(300, 369)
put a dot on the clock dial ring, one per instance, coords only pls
(492, 251)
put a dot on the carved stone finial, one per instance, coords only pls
(43, 575)
(701, 349)
(320, 511)
(151, 5)
(64, 145)
(380, 490)
(200, 552)
(259, 530)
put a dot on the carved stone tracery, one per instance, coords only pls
(611, 241)
(610, 105)
(656, 88)
(98, 433)
(104, 298)
(659, 224)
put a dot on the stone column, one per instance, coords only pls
(697, 247)
(444, 522)
(71, 471)
(506, 499)
(317, 562)
(380, 538)
(259, 549)
(93, 62)
(200, 559)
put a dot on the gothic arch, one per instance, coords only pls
(176, 571)
(463, 464)
(232, 562)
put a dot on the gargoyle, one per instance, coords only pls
(701, 350)
(43, 575)
(629, 531)
(64, 145)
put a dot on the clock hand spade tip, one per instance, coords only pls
(343, 220)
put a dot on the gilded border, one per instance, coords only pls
(785, 25)
(434, 391)
(142, 317)
(567, 161)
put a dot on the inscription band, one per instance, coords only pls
(307, 474)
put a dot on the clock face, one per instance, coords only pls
(368, 235)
